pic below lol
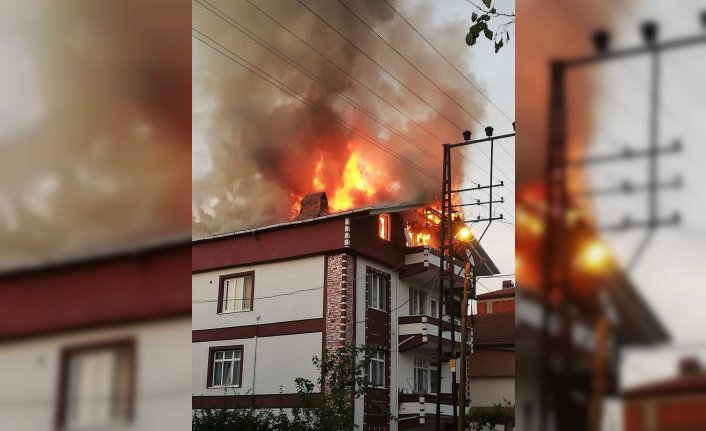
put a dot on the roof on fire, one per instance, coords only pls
(370, 210)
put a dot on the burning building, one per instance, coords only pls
(291, 290)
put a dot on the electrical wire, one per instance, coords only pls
(306, 101)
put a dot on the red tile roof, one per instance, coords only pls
(496, 329)
(502, 293)
(684, 384)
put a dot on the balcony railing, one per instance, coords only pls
(417, 331)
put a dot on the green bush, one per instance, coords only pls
(490, 417)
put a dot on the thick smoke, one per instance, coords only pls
(94, 148)
(264, 146)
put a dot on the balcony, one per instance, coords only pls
(423, 332)
(420, 409)
(423, 263)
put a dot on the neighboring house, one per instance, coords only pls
(676, 404)
(491, 367)
(267, 300)
(98, 343)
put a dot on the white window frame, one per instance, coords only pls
(417, 301)
(237, 296)
(99, 376)
(427, 367)
(377, 360)
(377, 291)
(235, 361)
(384, 227)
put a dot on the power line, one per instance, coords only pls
(294, 64)
(306, 101)
(415, 68)
(408, 62)
(284, 57)
(324, 57)
(507, 177)
(455, 68)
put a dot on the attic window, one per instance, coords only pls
(384, 226)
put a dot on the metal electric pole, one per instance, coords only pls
(446, 265)
(464, 341)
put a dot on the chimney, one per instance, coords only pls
(313, 205)
(689, 365)
(508, 284)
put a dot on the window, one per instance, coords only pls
(376, 374)
(236, 293)
(421, 376)
(434, 308)
(384, 226)
(433, 376)
(377, 291)
(425, 375)
(417, 302)
(96, 385)
(226, 366)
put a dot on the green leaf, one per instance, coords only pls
(487, 3)
(474, 17)
(470, 38)
(488, 33)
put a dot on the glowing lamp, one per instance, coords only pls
(464, 234)
(594, 256)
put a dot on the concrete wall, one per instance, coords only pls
(280, 360)
(486, 391)
(270, 279)
(29, 385)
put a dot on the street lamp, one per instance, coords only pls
(466, 135)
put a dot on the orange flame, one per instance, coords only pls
(359, 181)
(318, 181)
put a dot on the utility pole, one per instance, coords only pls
(464, 342)
(446, 264)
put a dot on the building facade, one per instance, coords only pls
(491, 367)
(267, 300)
(98, 343)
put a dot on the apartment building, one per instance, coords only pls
(267, 300)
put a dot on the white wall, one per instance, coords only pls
(487, 391)
(270, 279)
(280, 360)
(29, 380)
